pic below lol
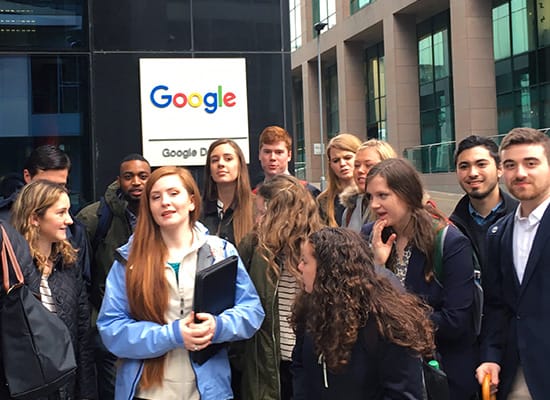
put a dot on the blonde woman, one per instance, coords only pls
(341, 158)
(287, 214)
(41, 214)
(369, 154)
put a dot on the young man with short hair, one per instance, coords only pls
(109, 224)
(276, 153)
(514, 340)
(478, 171)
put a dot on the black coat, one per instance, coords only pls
(378, 370)
(478, 233)
(69, 292)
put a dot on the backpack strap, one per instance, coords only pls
(203, 254)
(438, 254)
(104, 219)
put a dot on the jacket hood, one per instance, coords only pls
(115, 200)
(349, 196)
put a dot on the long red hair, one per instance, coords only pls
(146, 285)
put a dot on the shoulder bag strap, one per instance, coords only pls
(7, 248)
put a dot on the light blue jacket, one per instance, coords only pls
(133, 341)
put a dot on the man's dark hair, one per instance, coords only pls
(133, 157)
(474, 141)
(47, 157)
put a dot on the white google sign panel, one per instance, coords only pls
(186, 104)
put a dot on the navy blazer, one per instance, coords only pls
(516, 325)
(452, 304)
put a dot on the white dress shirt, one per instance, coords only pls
(525, 230)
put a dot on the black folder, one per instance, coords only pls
(214, 293)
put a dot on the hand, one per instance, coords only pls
(489, 368)
(197, 336)
(381, 250)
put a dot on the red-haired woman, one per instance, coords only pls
(146, 318)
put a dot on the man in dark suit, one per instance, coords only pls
(515, 347)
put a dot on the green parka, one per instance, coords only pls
(261, 356)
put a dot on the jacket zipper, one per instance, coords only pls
(321, 361)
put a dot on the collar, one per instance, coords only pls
(536, 214)
(480, 219)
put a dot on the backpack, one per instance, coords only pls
(104, 220)
(439, 276)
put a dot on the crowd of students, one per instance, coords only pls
(320, 310)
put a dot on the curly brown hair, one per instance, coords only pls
(291, 215)
(347, 292)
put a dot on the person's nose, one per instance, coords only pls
(300, 266)
(374, 203)
(473, 172)
(521, 172)
(68, 219)
(165, 199)
(136, 181)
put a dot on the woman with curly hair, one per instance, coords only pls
(287, 215)
(41, 214)
(228, 199)
(357, 211)
(341, 157)
(353, 336)
(404, 239)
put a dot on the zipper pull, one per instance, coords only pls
(321, 360)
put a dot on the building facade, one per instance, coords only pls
(69, 74)
(420, 74)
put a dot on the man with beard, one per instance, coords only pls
(478, 171)
(109, 223)
(514, 340)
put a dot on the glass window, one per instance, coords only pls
(522, 57)
(295, 24)
(356, 5)
(523, 38)
(501, 31)
(44, 100)
(298, 103)
(331, 87)
(324, 11)
(376, 92)
(45, 25)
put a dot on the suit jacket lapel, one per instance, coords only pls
(541, 241)
(507, 253)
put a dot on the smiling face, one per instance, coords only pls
(477, 172)
(274, 158)
(365, 159)
(170, 203)
(526, 173)
(387, 204)
(224, 164)
(342, 163)
(54, 222)
(307, 265)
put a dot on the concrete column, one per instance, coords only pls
(311, 119)
(474, 83)
(351, 88)
(402, 95)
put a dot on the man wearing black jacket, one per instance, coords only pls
(478, 171)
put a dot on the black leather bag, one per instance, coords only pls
(37, 351)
